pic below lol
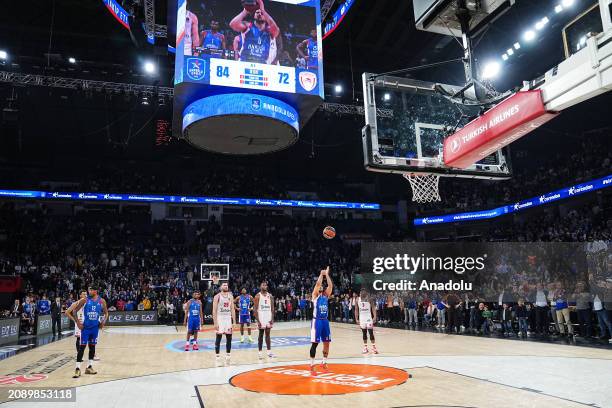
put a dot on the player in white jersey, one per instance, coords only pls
(264, 313)
(192, 37)
(224, 316)
(365, 316)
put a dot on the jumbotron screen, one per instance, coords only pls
(270, 45)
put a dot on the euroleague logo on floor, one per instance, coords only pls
(337, 379)
(209, 344)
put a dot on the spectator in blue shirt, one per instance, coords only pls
(44, 306)
(441, 314)
(129, 307)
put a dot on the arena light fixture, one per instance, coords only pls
(567, 3)
(72, 60)
(149, 67)
(542, 23)
(510, 51)
(529, 35)
(387, 97)
(3, 55)
(338, 89)
(558, 8)
(491, 70)
(517, 46)
(505, 57)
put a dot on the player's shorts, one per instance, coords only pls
(366, 323)
(244, 319)
(319, 331)
(265, 324)
(193, 325)
(265, 320)
(89, 336)
(225, 326)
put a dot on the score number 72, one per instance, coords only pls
(283, 78)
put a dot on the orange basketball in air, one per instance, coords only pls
(329, 232)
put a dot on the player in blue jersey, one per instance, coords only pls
(212, 39)
(244, 303)
(309, 50)
(193, 319)
(319, 329)
(258, 37)
(93, 308)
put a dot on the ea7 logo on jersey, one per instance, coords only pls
(308, 80)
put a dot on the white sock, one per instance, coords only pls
(312, 361)
(78, 365)
(90, 363)
(324, 360)
(187, 343)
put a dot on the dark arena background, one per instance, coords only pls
(194, 195)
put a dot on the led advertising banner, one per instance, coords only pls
(268, 45)
(120, 14)
(337, 18)
(137, 317)
(9, 330)
(568, 192)
(146, 198)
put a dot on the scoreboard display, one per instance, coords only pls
(262, 45)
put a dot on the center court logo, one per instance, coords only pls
(338, 379)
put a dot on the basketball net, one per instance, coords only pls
(424, 187)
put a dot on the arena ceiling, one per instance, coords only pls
(376, 36)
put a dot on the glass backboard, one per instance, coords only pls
(411, 140)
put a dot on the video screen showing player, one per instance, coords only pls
(260, 31)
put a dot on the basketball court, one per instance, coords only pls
(244, 102)
(146, 366)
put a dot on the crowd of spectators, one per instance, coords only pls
(144, 265)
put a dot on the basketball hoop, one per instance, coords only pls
(424, 187)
